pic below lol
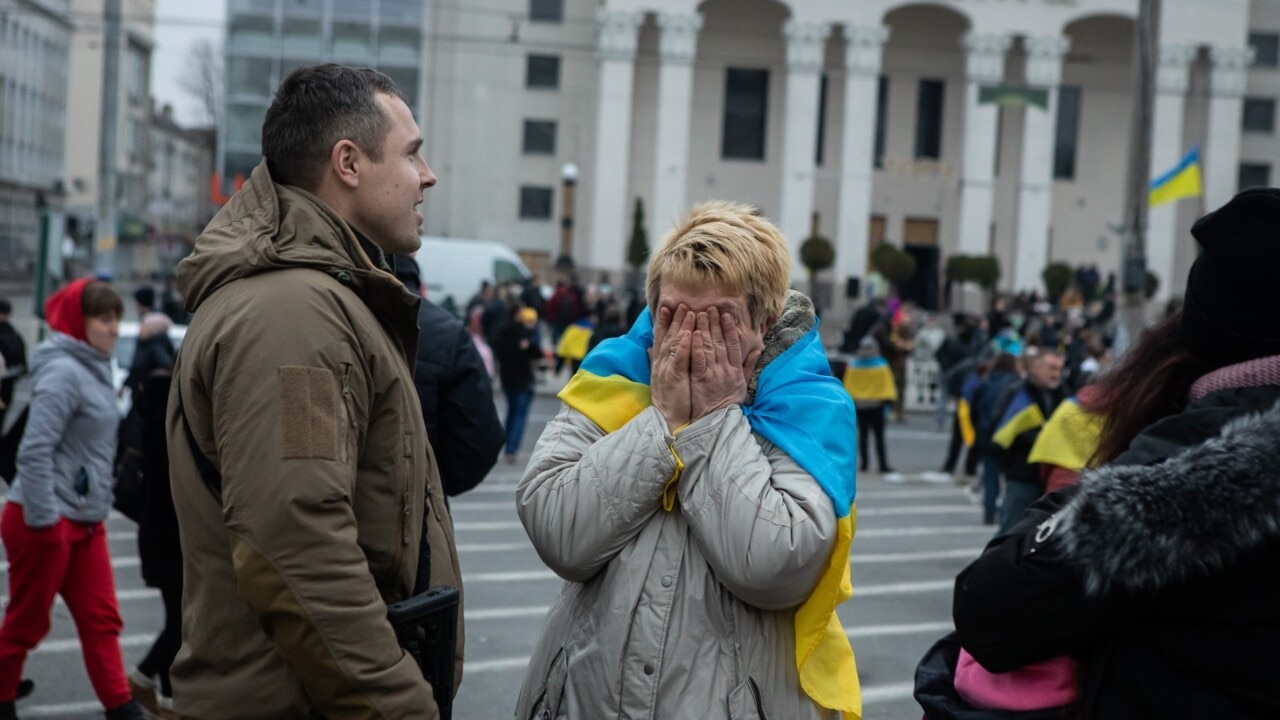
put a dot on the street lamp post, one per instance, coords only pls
(569, 182)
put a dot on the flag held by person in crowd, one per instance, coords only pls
(1023, 414)
(1183, 181)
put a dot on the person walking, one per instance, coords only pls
(1156, 570)
(52, 524)
(869, 381)
(159, 546)
(1022, 414)
(1005, 374)
(517, 350)
(702, 536)
(307, 496)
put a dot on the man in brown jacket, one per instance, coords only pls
(295, 383)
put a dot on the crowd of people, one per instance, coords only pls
(290, 468)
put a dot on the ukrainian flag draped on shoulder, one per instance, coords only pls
(1023, 414)
(803, 410)
(1070, 437)
(870, 380)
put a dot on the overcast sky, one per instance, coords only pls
(179, 23)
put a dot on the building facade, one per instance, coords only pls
(133, 122)
(951, 126)
(268, 39)
(178, 197)
(35, 37)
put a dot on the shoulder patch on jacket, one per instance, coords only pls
(309, 412)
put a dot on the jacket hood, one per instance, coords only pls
(267, 226)
(1194, 493)
(59, 346)
(64, 311)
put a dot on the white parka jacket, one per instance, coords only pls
(681, 614)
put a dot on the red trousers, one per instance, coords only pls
(69, 559)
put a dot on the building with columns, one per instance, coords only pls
(951, 126)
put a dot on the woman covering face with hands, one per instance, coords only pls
(703, 534)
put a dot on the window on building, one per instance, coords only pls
(535, 203)
(1067, 135)
(539, 137)
(820, 146)
(929, 99)
(1259, 114)
(542, 71)
(1254, 175)
(1266, 49)
(746, 104)
(546, 10)
(138, 74)
(882, 113)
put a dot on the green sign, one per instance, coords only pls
(1013, 96)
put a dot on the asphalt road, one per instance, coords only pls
(913, 537)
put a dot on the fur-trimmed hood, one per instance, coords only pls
(797, 319)
(1191, 511)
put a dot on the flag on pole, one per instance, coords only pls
(1183, 181)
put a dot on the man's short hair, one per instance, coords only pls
(729, 245)
(6, 307)
(315, 108)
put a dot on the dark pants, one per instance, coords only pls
(971, 456)
(160, 658)
(990, 484)
(871, 421)
(1018, 496)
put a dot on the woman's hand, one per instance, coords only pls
(718, 369)
(669, 365)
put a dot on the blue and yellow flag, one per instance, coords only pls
(964, 409)
(1023, 414)
(575, 340)
(1183, 181)
(869, 380)
(1069, 439)
(803, 410)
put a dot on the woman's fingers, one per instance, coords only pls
(732, 340)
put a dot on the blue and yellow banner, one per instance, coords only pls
(1023, 414)
(870, 380)
(1183, 181)
(803, 410)
(1069, 439)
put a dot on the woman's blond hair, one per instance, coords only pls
(730, 246)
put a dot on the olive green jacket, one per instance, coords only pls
(295, 378)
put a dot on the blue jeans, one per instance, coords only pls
(990, 484)
(519, 400)
(1018, 496)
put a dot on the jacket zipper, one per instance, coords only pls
(755, 695)
(346, 404)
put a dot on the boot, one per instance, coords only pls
(128, 711)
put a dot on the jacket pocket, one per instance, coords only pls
(745, 702)
(547, 706)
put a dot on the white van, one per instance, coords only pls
(453, 267)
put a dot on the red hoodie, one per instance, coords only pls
(64, 312)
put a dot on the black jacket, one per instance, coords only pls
(159, 547)
(1158, 572)
(14, 351)
(152, 353)
(457, 400)
(515, 363)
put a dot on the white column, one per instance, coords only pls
(617, 35)
(1222, 146)
(805, 44)
(1167, 148)
(677, 45)
(1035, 183)
(984, 65)
(863, 52)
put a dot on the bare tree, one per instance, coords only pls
(203, 79)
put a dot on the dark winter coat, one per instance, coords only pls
(1158, 572)
(14, 351)
(985, 404)
(153, 353)
(515, 363)
(457, 400)
(159, 548)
